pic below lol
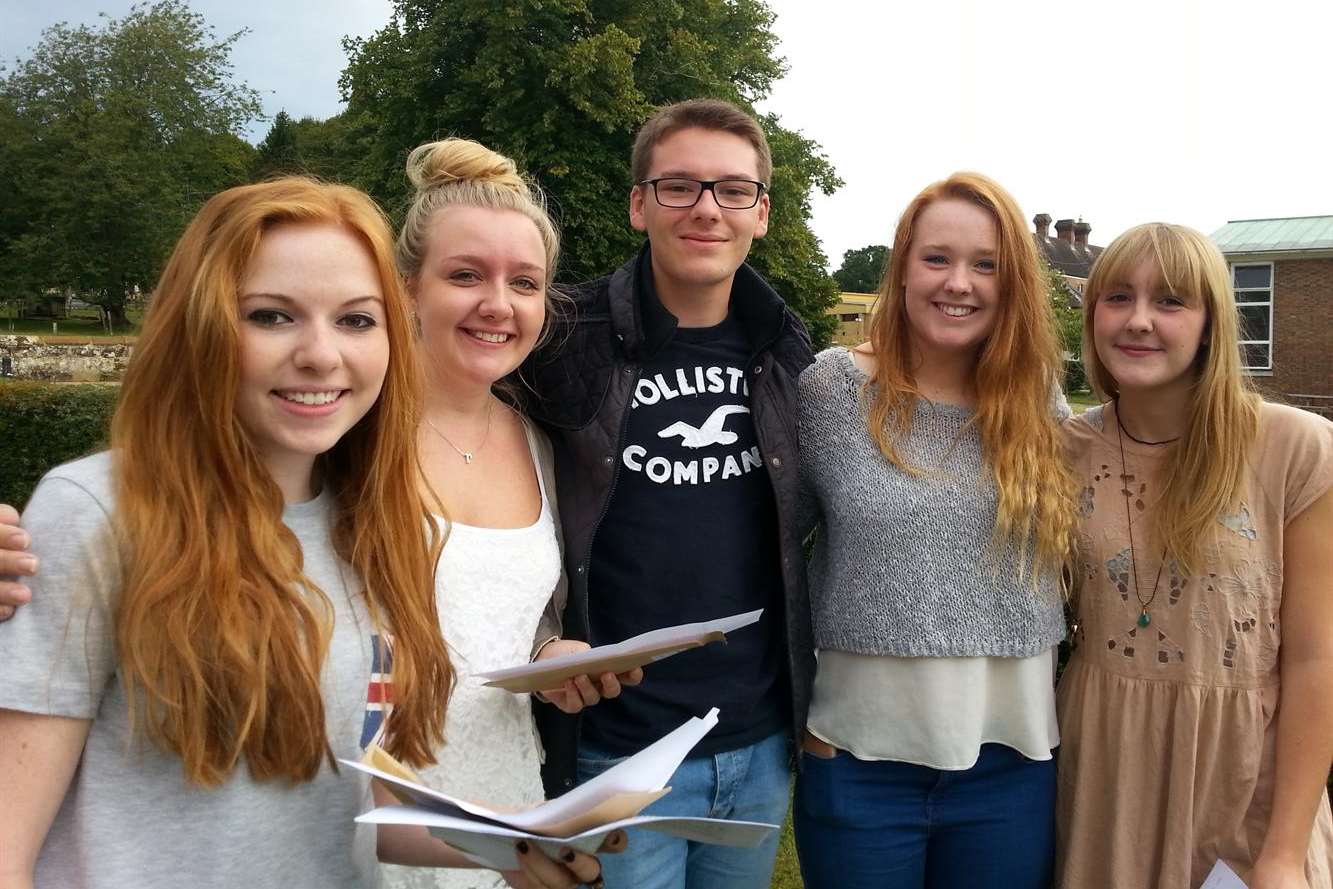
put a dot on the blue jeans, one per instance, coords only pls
(749, 784)
(894, 825)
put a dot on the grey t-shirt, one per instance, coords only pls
(129, 817)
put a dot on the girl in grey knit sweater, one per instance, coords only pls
(932, 460)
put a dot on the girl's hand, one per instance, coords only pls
(1269, 874)
(586, 690)
(15, 562)
(536, 871)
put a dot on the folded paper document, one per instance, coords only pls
(1222, 877)
(617, 658)
(580, 819)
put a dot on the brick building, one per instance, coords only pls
(1282, 271)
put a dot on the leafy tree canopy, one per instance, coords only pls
(862, 269)
(319, 147)
(561, 86)
(1069, 323)
(112, 136)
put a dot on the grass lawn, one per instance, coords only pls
(82, 325)
(1081, 401)
(786, 872)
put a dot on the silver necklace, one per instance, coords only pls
(468, 456)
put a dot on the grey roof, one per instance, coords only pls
(1069, 259)
(1275, 235)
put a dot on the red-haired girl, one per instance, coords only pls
(216, 587)
(945, 513)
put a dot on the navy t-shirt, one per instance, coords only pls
(691, 534)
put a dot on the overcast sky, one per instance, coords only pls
(1192, 111)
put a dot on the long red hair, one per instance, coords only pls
(1016, 372)
(221, 636)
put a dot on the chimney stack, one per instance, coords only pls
(1064, 231)
(1042, 225)
(1081, 232)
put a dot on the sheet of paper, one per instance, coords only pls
(618, 658)
(1222, 877)
(621, 791)
(493, 845)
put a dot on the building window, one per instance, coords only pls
(1254, 301)
(850, 316)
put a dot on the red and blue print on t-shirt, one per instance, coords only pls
(379, 694)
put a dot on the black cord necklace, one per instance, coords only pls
(1144, 617)
(1120, 423)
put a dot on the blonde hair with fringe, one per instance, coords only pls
(221, 635)
(1203, 470)
(1016, 370)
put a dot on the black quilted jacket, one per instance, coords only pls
(579, 389)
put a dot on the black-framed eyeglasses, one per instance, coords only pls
(730, 194)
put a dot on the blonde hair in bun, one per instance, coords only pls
(463, 173)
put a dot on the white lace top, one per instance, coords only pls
(492, 585)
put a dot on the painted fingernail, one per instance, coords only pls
(522, 846)
(567, 856)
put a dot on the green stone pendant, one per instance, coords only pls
(1144, 619)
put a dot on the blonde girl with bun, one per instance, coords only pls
(1195, 710)
(478, 251)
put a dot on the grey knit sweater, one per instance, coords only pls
(904, 565)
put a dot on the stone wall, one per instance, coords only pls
(29, 358)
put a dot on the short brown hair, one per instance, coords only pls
(704, 114)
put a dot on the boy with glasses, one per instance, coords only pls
(670, 396)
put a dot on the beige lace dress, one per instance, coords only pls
(1169, 730)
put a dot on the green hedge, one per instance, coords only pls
(45, 424)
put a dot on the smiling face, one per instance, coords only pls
(949, 279)
(703, 245)
(313, 349)
(481, 293)
(1147, 337)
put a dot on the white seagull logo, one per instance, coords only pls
(710, 433)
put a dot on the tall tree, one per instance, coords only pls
(562, 86)
(278, 152)
(115, 135)
(862, 269)
(323, 148)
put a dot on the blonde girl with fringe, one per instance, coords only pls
(932, 455)
(208, 632)
(1195, 709)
